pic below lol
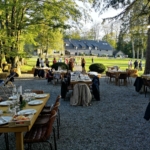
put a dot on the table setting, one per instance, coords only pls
(13, 106)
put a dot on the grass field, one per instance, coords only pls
(122, 63)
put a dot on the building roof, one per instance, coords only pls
(80, 44)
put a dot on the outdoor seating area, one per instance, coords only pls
(53, 120)
(42, 105)
(120, 77)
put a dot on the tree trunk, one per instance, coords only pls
(133, 50)
(137, 55)
(147, 64)
(142, 55)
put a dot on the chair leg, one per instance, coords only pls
(145, 91)
(55, 144)
(29, 146)
(58, 117)
(6, 141)
(57, 127)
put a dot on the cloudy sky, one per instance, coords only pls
(95, 15)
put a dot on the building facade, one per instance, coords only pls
(87, 47)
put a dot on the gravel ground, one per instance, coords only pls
(114, 123)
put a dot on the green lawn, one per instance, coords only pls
(122, 63)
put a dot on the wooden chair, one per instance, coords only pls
(47, 109)
(42, 133)
(44, 117)
(122, 77)
(132, 73)
(107, 76)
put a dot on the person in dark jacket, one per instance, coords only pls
(38, 63)
(135, 64)
(49, 76)
(140, 65)
(95, 88)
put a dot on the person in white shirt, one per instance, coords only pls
(42, 62)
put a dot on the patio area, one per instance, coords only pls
(114, 123)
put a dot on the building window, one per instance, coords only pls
(95, 48)
(67, 44)
(90, 48)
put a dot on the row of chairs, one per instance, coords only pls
(117, 77)
(44, 126)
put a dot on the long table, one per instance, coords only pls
(21, 129)
(80, 78)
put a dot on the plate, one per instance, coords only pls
(13, 97)
(5, 119)
(5, 103)
(40, 95)
(27, 112)
(35, 102)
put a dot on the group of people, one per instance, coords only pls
(41, 63)
(71, 62)
(137, 64)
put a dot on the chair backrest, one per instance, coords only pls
(57, 99)
(146, 82)
(55, 107)
(37, 91)
(123, 75)
(9, 79)
(50, 124)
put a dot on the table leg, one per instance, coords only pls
(19, 141)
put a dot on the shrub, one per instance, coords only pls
(97, 67)
(60, 64)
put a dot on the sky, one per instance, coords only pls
(98, 18)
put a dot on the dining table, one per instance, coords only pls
(80, 78)
(146, 76)
(115, 74)
(19, 130)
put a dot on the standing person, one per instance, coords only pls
(71, 64)
(38, 63)
(83, 63)
(135, 64)
(131, 63)
(140, 65)
(42, 62)
(66, 61)
(54, 60)
(47, 62)
(60, 59)
(92, 60)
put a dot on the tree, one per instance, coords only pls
(18, 19)
(128, 7)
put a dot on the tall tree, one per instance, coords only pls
(17, 17)
(128, 5)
